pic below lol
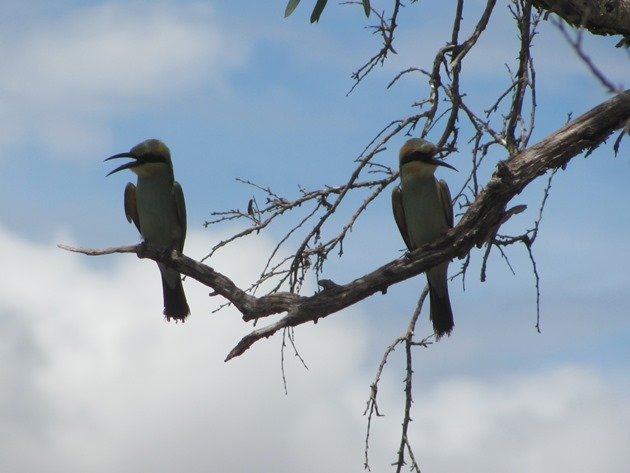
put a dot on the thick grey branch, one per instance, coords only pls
(250, 306)
(486, 212)
(103, 251)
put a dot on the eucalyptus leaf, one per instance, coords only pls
(292, 5)
(366, 7)
(317, 11)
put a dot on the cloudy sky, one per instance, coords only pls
(93, 379)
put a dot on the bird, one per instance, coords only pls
(424, 212)
(157, 208)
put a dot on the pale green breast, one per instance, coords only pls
(423, 208)
(157, 211)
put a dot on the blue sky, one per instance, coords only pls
(93, 378)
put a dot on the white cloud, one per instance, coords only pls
(565, 419)
(95, 380)
(98, 381)
(63, 78)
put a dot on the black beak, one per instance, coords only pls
(439, 162)
(128, 165)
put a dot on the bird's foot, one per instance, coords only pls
(142, 249)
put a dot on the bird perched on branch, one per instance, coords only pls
(424, 212)
(156, 206)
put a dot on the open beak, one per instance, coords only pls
(439, 162)
(128, 165)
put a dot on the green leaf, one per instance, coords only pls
(366, 7)
(292, 5)
(317, 11)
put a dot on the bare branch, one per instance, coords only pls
(104, 251)
(372, 406)
(586, 132)
(250, 306)
(522, 14)
(405, 445)
(576, 44)
(470, 42)
(386, 29)
(488, 209)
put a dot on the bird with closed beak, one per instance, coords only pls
(156, 206)
(424, 212)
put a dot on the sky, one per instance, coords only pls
(94, 379)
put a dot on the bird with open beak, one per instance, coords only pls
(156, 206)
(424, 212)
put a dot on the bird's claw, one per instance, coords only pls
(142, 249)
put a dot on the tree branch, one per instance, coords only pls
(601, 17)
(487, 211)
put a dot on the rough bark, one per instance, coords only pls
(602, 17)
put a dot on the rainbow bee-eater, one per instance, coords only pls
(424, 212)
(156, 206)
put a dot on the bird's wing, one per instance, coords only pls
(180, 206)
(447, 204)
(399, 215)
(131, 209)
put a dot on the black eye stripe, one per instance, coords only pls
(152, 158)
(416, 156)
